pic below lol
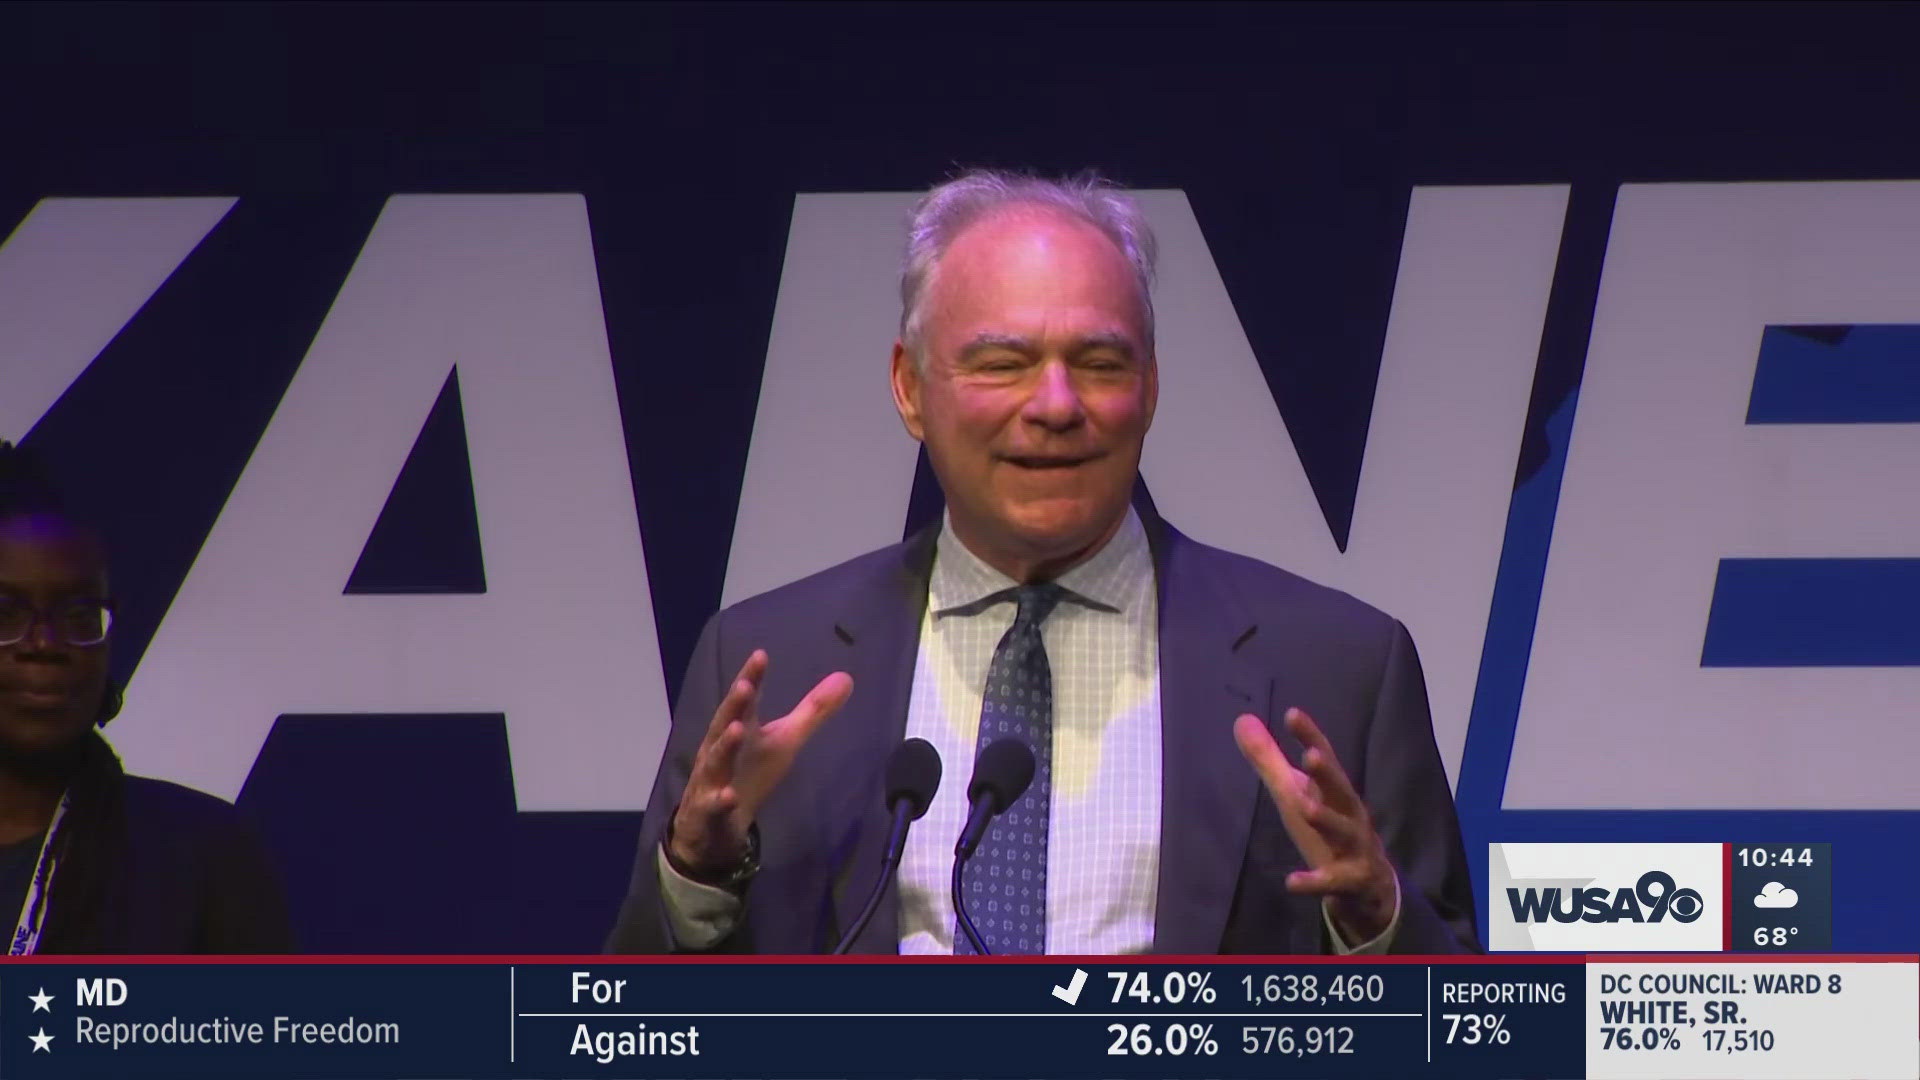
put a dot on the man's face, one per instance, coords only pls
(50, 691)
(1035, 390)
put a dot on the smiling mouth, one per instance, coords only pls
(1041, 461)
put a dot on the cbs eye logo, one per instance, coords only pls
(1657, 893)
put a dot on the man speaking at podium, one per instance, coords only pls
(1228, 758)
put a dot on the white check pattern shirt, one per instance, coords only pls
(1103, 846)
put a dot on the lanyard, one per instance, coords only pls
(33, 911)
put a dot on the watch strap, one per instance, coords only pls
(733, 877)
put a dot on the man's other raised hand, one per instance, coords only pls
(740, 762)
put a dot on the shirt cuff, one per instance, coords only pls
(698, 916)
(1381, 942)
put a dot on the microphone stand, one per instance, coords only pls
(889, 862)
(960, 910)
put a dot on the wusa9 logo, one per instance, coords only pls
(1605, 898)
(1652, 898)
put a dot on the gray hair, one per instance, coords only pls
(946, 211)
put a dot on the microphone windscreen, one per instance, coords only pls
(913, 774)
(1003, 770)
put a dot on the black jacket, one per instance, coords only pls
(150, 867)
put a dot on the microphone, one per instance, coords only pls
(1000, 776)
(913, 775)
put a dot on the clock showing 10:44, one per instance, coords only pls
(1782, 897)
(1762, 857)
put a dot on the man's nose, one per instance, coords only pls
(1055, 402)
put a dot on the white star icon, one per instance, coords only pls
(41, 1000)
(42, 1041)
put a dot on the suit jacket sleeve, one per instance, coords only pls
(1405, 786)
(642, 925)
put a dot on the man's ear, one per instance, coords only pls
(1152, 389)
(905, 376)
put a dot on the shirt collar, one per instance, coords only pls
(1109, 580)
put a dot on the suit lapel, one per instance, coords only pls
(876, 634)
(1208, 790)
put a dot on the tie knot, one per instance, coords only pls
(1036, 602)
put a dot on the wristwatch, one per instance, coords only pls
(734, 877)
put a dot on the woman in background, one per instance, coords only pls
(94, 860)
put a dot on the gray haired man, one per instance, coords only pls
(1156, 679)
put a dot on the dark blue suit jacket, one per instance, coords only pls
(1236, 636)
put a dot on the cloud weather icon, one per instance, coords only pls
(1775, 895)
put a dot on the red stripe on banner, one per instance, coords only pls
(1751, 958)
(1230, 959)
(1726, 897)
(611, 959)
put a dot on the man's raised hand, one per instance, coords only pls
(1329, 823)
(740, 762)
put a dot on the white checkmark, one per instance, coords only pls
(1070, 993)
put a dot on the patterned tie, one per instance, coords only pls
(1007, 879)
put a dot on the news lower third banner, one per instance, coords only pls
(1745, 1017)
